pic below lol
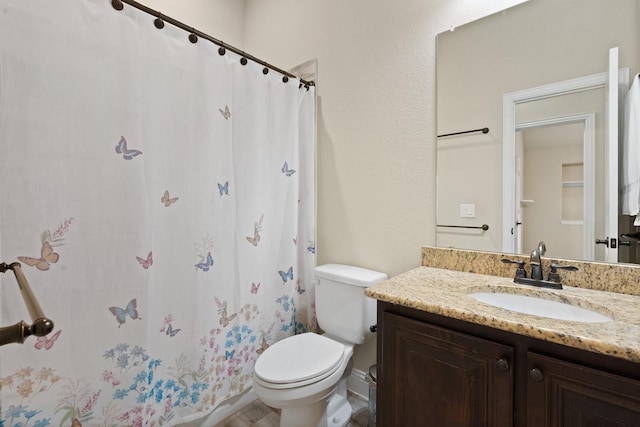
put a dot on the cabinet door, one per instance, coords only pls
(430, 376)
(564, 394)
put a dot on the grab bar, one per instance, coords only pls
(484, 227)
(41, 325)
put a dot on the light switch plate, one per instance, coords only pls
(467, 210)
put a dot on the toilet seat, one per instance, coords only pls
(298, 360)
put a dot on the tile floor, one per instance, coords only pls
(257, 414)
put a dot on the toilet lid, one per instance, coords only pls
(299, 358)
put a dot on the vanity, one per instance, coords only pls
(448, 359)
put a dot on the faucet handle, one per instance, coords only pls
(520, 272)
(553, 274)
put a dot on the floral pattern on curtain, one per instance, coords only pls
(160, 198)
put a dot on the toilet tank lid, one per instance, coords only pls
(349, 274)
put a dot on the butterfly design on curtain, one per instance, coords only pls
(286, 275)
(285, 170)
(47, 257)
(170, 331)
(263, 346)
(166, 200)
(46, 342)
(257, 228)
(222, 310)
(127, 154)
(223, 189)
(146, 263)
(225, 113)
(167, 327)
(122, 313)
(255, 287)
(205, 263)
(224, 318)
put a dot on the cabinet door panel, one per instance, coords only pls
(563, 394)
(436, 377)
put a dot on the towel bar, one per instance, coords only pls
(41, 325)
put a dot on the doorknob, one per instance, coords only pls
(613, 242)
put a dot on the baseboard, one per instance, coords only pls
(358, 383)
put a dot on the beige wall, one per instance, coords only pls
(546, 150)
(376, 112)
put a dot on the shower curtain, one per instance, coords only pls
(160, 198)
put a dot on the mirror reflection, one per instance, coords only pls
(536, 75)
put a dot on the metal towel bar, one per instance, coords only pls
(484, 227)
(41, 325)
(483, 130)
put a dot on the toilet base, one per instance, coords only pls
(309, 415)
(338, 408)
(334, 410)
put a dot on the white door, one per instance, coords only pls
(611, 180)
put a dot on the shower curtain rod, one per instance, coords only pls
(194, 34)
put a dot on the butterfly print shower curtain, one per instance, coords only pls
(144, 193)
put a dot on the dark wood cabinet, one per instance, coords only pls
(442, 372)
(443, 378)
(570, 395)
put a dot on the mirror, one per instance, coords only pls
(538, 43)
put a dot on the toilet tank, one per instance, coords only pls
(342, 309)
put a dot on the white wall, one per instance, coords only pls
(376, 111)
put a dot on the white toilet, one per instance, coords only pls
(306, 375)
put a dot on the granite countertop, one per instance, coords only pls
(445, 292)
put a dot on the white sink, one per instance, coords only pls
(540, 307)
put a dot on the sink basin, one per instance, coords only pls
(540, 307)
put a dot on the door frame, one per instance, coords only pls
(588, 155)
(509, 102)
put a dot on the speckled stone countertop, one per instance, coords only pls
(444, 291)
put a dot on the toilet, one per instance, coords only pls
(306, 375)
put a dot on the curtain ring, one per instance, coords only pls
(265, 71)
(243, 61)
(285, 79)
(192, 37)
(117, 4)
(222, 50)
(158, 22)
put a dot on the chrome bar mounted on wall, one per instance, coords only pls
(41, 325)
(483, 130)
(483, 227)
(193, 38)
